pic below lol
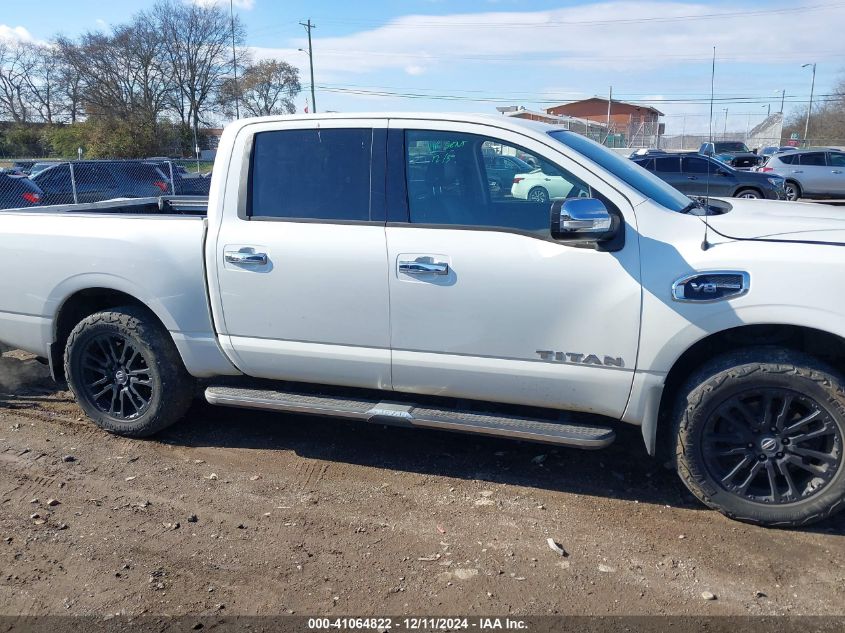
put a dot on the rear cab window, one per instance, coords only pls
(311, 174)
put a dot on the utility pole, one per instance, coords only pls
(810, 106)
(308, 26)
(782, 98)
(235, 60)
(609, 101)
(725, 131)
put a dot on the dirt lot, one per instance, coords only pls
(252, 513)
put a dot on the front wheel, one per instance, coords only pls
(126, 373)
(792, 190)
(748, 193)
(759, 437)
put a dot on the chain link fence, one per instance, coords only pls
(34, 182)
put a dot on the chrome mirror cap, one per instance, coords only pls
(584, 219)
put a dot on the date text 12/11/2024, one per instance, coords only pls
(416, 624)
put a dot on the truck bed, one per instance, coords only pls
(148, 249)
(179, 205)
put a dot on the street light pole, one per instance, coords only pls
(725, 130)
(235, 60)
(810, 106)
(308, 26)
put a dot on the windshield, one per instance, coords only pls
(626, 170)
(731, 147)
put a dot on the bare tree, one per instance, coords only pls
(198, 40)
(265, 88)
(42, 81)
(123, 74)
(15, 67)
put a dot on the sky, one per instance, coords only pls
(458, 55)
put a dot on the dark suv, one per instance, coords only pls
(733, 153)
(690, 173)
(100, 180)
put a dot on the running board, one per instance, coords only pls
(587, 436)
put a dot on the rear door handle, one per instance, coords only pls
(692, 177)
(423, 268)
(245, 258)
(797, 171)
(837, 171)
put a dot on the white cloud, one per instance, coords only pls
(621, 35)
(14, 34)
(239, 4)
(414, 69)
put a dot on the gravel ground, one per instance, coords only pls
(243, 512)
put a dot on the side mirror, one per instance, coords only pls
(582, 220)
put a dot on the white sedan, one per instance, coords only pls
(537, 186)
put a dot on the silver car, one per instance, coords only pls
(810, 173)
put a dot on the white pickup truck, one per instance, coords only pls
(365, 266)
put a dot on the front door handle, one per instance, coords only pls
(837, 171)
(245, 258)
(423, 268)
(692, 177)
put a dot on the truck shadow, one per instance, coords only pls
(21, 376)
(622, 471)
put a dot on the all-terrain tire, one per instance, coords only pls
(167, 388)
(741, 375)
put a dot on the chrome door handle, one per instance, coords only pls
(245, 258)
(837, 171)
(423, 268)
(797, 171)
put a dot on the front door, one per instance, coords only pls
(705, 177)
(301, 268)
(484, 304)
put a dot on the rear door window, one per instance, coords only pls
(787, 159)
(667, 164)
(319, 174)
(814, 159)
(694, 165)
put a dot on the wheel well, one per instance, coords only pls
(75, 308)
(822, 345)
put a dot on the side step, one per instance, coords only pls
(408, 414)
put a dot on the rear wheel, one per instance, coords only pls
(759, 437)
(126, 373)
(748, 193)
(538, 194)
(793, 190)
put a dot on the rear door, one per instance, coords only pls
(668, 168)
(301, 268)
(812, 172)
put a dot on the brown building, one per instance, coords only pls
(639, 125)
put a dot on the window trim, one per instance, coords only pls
(377, 199)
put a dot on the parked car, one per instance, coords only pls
(18, 191)
(100, 180)
(733, 153)
(769, 150)
(23, 166)
(502, 169)
(184, 182)
(810, 173)
(697, 175)
(544, 184)
(325, 280)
